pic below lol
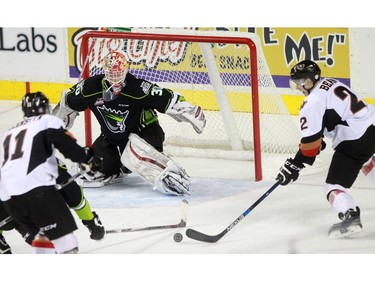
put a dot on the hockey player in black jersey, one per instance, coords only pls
(331, 109)
(29, 171)
(125, 108)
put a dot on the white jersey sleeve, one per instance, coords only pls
(333, 109)
(27, 160)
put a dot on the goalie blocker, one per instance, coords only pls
(64, 112)
(166, 175)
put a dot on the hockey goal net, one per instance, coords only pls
(223, 72)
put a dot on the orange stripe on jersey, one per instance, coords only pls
(311, 152)
(70, 135)
(310, 149)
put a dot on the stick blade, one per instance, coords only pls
(196, 235)
(184, 212)
(182, 223)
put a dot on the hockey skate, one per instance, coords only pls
(351, 224)
(4, 246)
(95, 227)
(98, 179)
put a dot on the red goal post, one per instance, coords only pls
(88, 43)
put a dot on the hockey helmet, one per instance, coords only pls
(34, 104)
(305, 69)
(115, 66)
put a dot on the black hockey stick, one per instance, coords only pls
(5, 221)
(70, 180)
(182, 223)
(196, 235)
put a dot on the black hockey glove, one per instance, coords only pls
(96, 163)
(93, 162)
(289, 172)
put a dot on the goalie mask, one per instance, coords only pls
(34, 104)
(115, 66)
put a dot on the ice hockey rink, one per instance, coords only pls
(292, 220)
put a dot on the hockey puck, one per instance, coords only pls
(177, 237)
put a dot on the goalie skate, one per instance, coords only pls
(98, 179)
(351, 224)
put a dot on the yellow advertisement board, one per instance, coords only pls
(328, 47)
(282, 47)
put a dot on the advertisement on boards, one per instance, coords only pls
(33, 54)
(282, 48)
(50, 58)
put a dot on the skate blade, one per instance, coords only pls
(349, 232)
(116, 180)
(97, 184)
(89, 184)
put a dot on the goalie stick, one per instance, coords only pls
(182, 223)
(196, 235)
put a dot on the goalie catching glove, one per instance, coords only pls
(289, 172)
(64, 112)
(182, 111)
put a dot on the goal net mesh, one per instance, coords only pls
(215, 76)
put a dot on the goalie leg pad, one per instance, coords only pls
(159, 170)
(143, 159)
(173, 180)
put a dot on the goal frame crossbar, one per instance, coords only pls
(186, 38)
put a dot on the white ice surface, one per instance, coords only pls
(292, 220)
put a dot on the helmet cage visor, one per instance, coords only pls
(115, 67)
